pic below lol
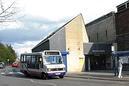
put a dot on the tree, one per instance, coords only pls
(12, 53)
(6, 11)
(7, 52)
(2, 52)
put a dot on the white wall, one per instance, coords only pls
(71, 38)
(76, 35)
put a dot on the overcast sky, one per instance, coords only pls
(38, 18)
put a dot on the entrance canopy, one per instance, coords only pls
(97, 48)
(120, 53)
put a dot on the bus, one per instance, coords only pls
(48, 63)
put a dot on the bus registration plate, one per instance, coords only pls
(57, 74)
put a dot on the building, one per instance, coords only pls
(97, 56)
(122, 26)
(109, 30)
(90, 46)
(102, 30)
(122, 33)
(102, 35)
(70, 37)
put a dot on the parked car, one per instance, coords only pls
(2, 65)
(15, 64)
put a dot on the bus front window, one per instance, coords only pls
(53, 60)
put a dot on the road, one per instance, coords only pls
(17, 79)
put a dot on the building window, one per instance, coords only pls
(106, 34)
(89, 38)
(97, 36)
(127, 4)
(120, 8)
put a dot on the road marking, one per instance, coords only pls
(44, 83)
(20, 73)
(2, 76)
(32, 80)
(11, 73)
(2, 73)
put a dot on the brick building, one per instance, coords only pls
(122, 26)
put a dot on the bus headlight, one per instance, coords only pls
(48, 69)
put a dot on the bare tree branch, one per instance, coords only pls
(1, 5)
(7, 12)
(4, 10)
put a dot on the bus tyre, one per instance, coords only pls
(26, 74)
(44, 76)
(61, 77)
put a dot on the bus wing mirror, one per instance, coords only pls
(40, 60)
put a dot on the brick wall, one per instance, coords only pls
(122, 29)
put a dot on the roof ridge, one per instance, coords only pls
(46, 38)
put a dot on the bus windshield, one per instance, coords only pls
(53, 60)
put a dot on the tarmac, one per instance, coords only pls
(100, 75)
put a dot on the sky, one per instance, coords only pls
(36, 19)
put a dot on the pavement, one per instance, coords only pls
(100, 75)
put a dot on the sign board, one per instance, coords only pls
(98, 51)
(52, 53)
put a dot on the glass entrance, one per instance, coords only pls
(98, 62)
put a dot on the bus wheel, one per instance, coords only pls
(26, 74)
(61, 77)
(44, 76)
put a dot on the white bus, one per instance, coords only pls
(45, 64)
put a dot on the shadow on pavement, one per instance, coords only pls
(15, 72)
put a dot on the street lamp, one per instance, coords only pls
(8, 61)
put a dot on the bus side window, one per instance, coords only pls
(28, 59)
(40, 59)
(37, 62)
(40, 62)
(21, 59)
(33, 61)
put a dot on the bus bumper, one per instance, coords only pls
(56, 74)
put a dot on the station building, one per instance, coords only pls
(102, 35)
(111, 30)
(90, 46)
(68, 38)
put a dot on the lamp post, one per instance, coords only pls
(8, 61)
(114, 58)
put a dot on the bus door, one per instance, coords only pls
(23, 64)
(35, 65)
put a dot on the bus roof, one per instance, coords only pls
(45, 52)
(36, 53)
